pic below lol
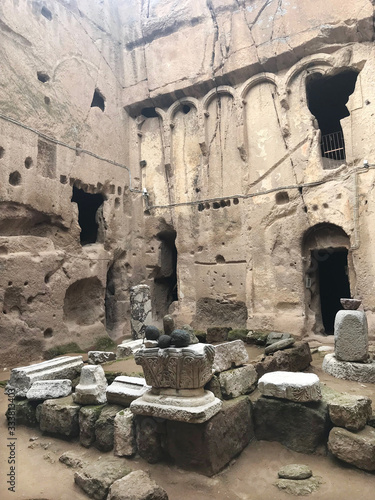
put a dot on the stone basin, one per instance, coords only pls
(350, 304)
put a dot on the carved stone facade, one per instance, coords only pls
(180, 146)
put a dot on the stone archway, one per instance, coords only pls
(327, 270)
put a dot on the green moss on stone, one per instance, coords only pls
(238, 334)
(60, 350)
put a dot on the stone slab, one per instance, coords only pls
(136, 485)
(351, 337)
(274, 337)
(295, 386)
(124, 434)
(302, 427)
(128, 348)
(92, 386)
(359, 372)
(279, 345)
(229, 355)
(294, 359)
(354, 448)
(59, 416)
(99, 357)
(208, 447)
(66, 367)
(124, 390)
(237, 382)
(49, 389)
(194, 409)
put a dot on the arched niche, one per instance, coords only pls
(185, 151)
(328, 273)
(262, 127)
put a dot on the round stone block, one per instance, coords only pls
(295, 386)
(295, 471)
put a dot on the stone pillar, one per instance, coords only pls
(140, 309)
(351, 338)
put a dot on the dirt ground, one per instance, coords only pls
(41, 476)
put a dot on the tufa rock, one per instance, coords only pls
(180, 338)
(88, 415)
(136, 486)
(229, 355)
(217, 334)
(124, 434)
(294, 359)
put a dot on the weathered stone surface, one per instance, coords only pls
(301, 487)
(350, 304)
(136, 486)
(238, 381)
(88, 415)
(295, 471)
(274, 337)
(66, 367)
(150, 437)
(124, 390)
(359, 372)
(104, 427)
(92, 386)
(96, 479)
(49, 389)
(60, 416)
(209, 447)
(128, 348)
(193, 338)
(295, 386)
(214, 386)
(302, 427)
(217, 334)
(354, 448)
(349, 411)
(180, 338)
(294, 359)
(140, 310)
(257, 338)
(351, 337)
(99, 357)
(124, 434)
(229, 355)
(23, 411)
(279, 345)
(168, 324)
(70, 459)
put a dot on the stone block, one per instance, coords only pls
(136, 485)
(349, 411)
(88, 415)
(92, 386)
(49, 389)
(217, 334)
(274, 337)
(104, 427)
(295, 386)
(99, 357)
(294, 359)
(237, 382)
(124, 390)
(359, 372)
(128, 348)
(279, 346)
(295, 471)
(209, 447)
(229, 355)
(124, 434)
(150, 438)
(60, 416)
(96, 479)
(354, 448)
(302, 427)
(257, 338)
(22, 413)
(66, 367)
(351, 337)
(214, 386)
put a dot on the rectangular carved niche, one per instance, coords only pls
(47, 159)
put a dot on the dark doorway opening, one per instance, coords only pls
(166, 278)
(333, 282)
(88, 205)
(327, 97)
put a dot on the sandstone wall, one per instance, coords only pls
(205, 102)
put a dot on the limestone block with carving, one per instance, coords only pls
(351, 337)
(128, 348)
(229, 355)
(124, 434)
(124, 390)
(49, 389)
(295, 386)
(66, 367)
(92, 386)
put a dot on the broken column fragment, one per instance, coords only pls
(140, 309)
(92, 386)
